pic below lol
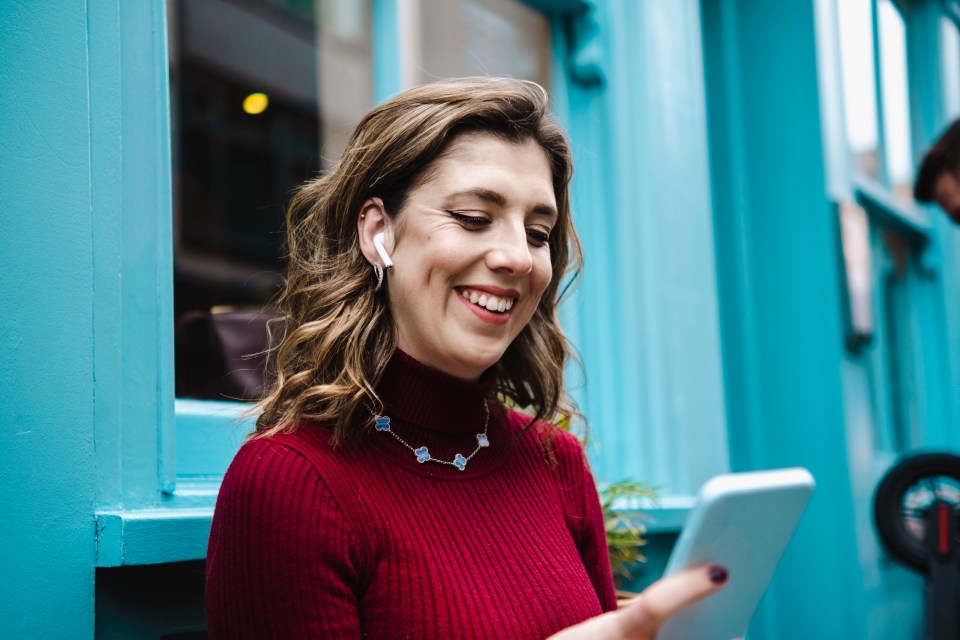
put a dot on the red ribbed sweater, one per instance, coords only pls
(364, 541)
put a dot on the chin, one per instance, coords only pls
(474, 364)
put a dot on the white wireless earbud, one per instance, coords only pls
(378, 245)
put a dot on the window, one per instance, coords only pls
(895, 101)
(483, 37)
(264, 94)
(882, 232)
(859, 84)
(950, 67)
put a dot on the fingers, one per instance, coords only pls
(665, 597)
(641, 619)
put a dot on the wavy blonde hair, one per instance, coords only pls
(336, 333)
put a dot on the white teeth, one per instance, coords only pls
(488, 302)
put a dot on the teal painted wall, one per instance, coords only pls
(709, 317)
(46, 282)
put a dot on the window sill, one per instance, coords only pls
(665, 517)
(880, 205)
(180, 532)
(152, 536)
(209, 433)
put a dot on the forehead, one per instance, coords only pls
(484, 160)
(946, 186)
(946, 193)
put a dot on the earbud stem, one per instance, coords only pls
(381, 251)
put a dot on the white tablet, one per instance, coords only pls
(744, 522)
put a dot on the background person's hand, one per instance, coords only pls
(642, 617)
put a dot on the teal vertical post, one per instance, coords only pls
(146, 295)
(386, 49)
(779, 273)
(132, 247)
(645, 318)
(46, 336)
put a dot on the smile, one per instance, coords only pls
(488, 301)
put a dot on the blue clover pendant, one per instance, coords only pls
(460, 462)
(383, 423)
(482, 440)
(422, 455)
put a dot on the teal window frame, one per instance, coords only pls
(924, 373)
(893, 357)
(132, 243)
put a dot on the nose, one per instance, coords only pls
(510, 251)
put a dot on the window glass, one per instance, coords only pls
(483, 37)
(899, 345)
(858, 263)
(898, 152)
(950, 67)
(264, 94)
(859, 85)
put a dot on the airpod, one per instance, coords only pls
(378, 245)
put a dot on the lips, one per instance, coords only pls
(488, 300)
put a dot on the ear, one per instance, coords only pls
(372, 220)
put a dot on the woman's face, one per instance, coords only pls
(472, 258)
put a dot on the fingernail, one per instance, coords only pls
(718, 574)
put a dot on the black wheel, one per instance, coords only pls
(903, 497)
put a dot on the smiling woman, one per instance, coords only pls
(388, 491)
(475, 172)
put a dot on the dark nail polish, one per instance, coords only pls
(718, 574)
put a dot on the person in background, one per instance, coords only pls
(938, 179)
(389, 490)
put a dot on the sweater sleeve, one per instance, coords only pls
(593, 541)
(280, 562)
(588, 525)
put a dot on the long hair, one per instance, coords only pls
(335, 334)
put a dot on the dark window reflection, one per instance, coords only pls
(249, 123)
(234, 170)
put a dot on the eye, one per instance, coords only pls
(538, 237)
(468, 220)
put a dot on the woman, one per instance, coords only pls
(388, 492)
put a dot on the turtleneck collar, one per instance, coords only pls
(431, 399)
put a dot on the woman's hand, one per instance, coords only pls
(641, 619)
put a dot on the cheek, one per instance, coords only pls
(429, 272)
(542, 272)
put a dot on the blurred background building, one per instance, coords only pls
(760, 289)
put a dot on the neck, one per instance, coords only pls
(429, 408)
(433, 399)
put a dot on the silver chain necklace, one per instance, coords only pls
(382, 423)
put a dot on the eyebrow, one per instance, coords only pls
(497, 198)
